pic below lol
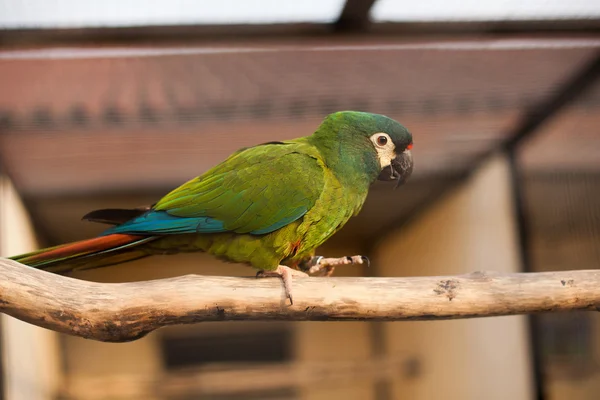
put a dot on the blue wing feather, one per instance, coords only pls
(160, 222)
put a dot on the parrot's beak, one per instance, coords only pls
(400, 169)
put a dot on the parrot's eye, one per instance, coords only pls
(382, 141)
(384, 147)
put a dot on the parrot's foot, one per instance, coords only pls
(286, 274)
(326, 266)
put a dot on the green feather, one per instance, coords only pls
(242, 193)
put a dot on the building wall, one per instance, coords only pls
(30, 355)
(336, 342)
(471, 229)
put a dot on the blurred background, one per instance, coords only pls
(114, 103)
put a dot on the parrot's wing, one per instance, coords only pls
(257, 190)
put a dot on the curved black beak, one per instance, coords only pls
(400, 169)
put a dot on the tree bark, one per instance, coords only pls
(119, 312)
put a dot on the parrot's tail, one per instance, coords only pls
(87, 254)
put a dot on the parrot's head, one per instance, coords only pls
(385, 144)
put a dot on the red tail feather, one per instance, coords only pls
(90, 253)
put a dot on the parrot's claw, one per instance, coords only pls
(326, 266)
(286, 274)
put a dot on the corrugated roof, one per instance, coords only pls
(178, 114)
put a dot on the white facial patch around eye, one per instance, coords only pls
(386, 150)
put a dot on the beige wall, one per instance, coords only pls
(471, 229)
(30, 355)
(337, 342)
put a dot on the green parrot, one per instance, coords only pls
(268, 206)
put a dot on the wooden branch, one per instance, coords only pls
(118, 312)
